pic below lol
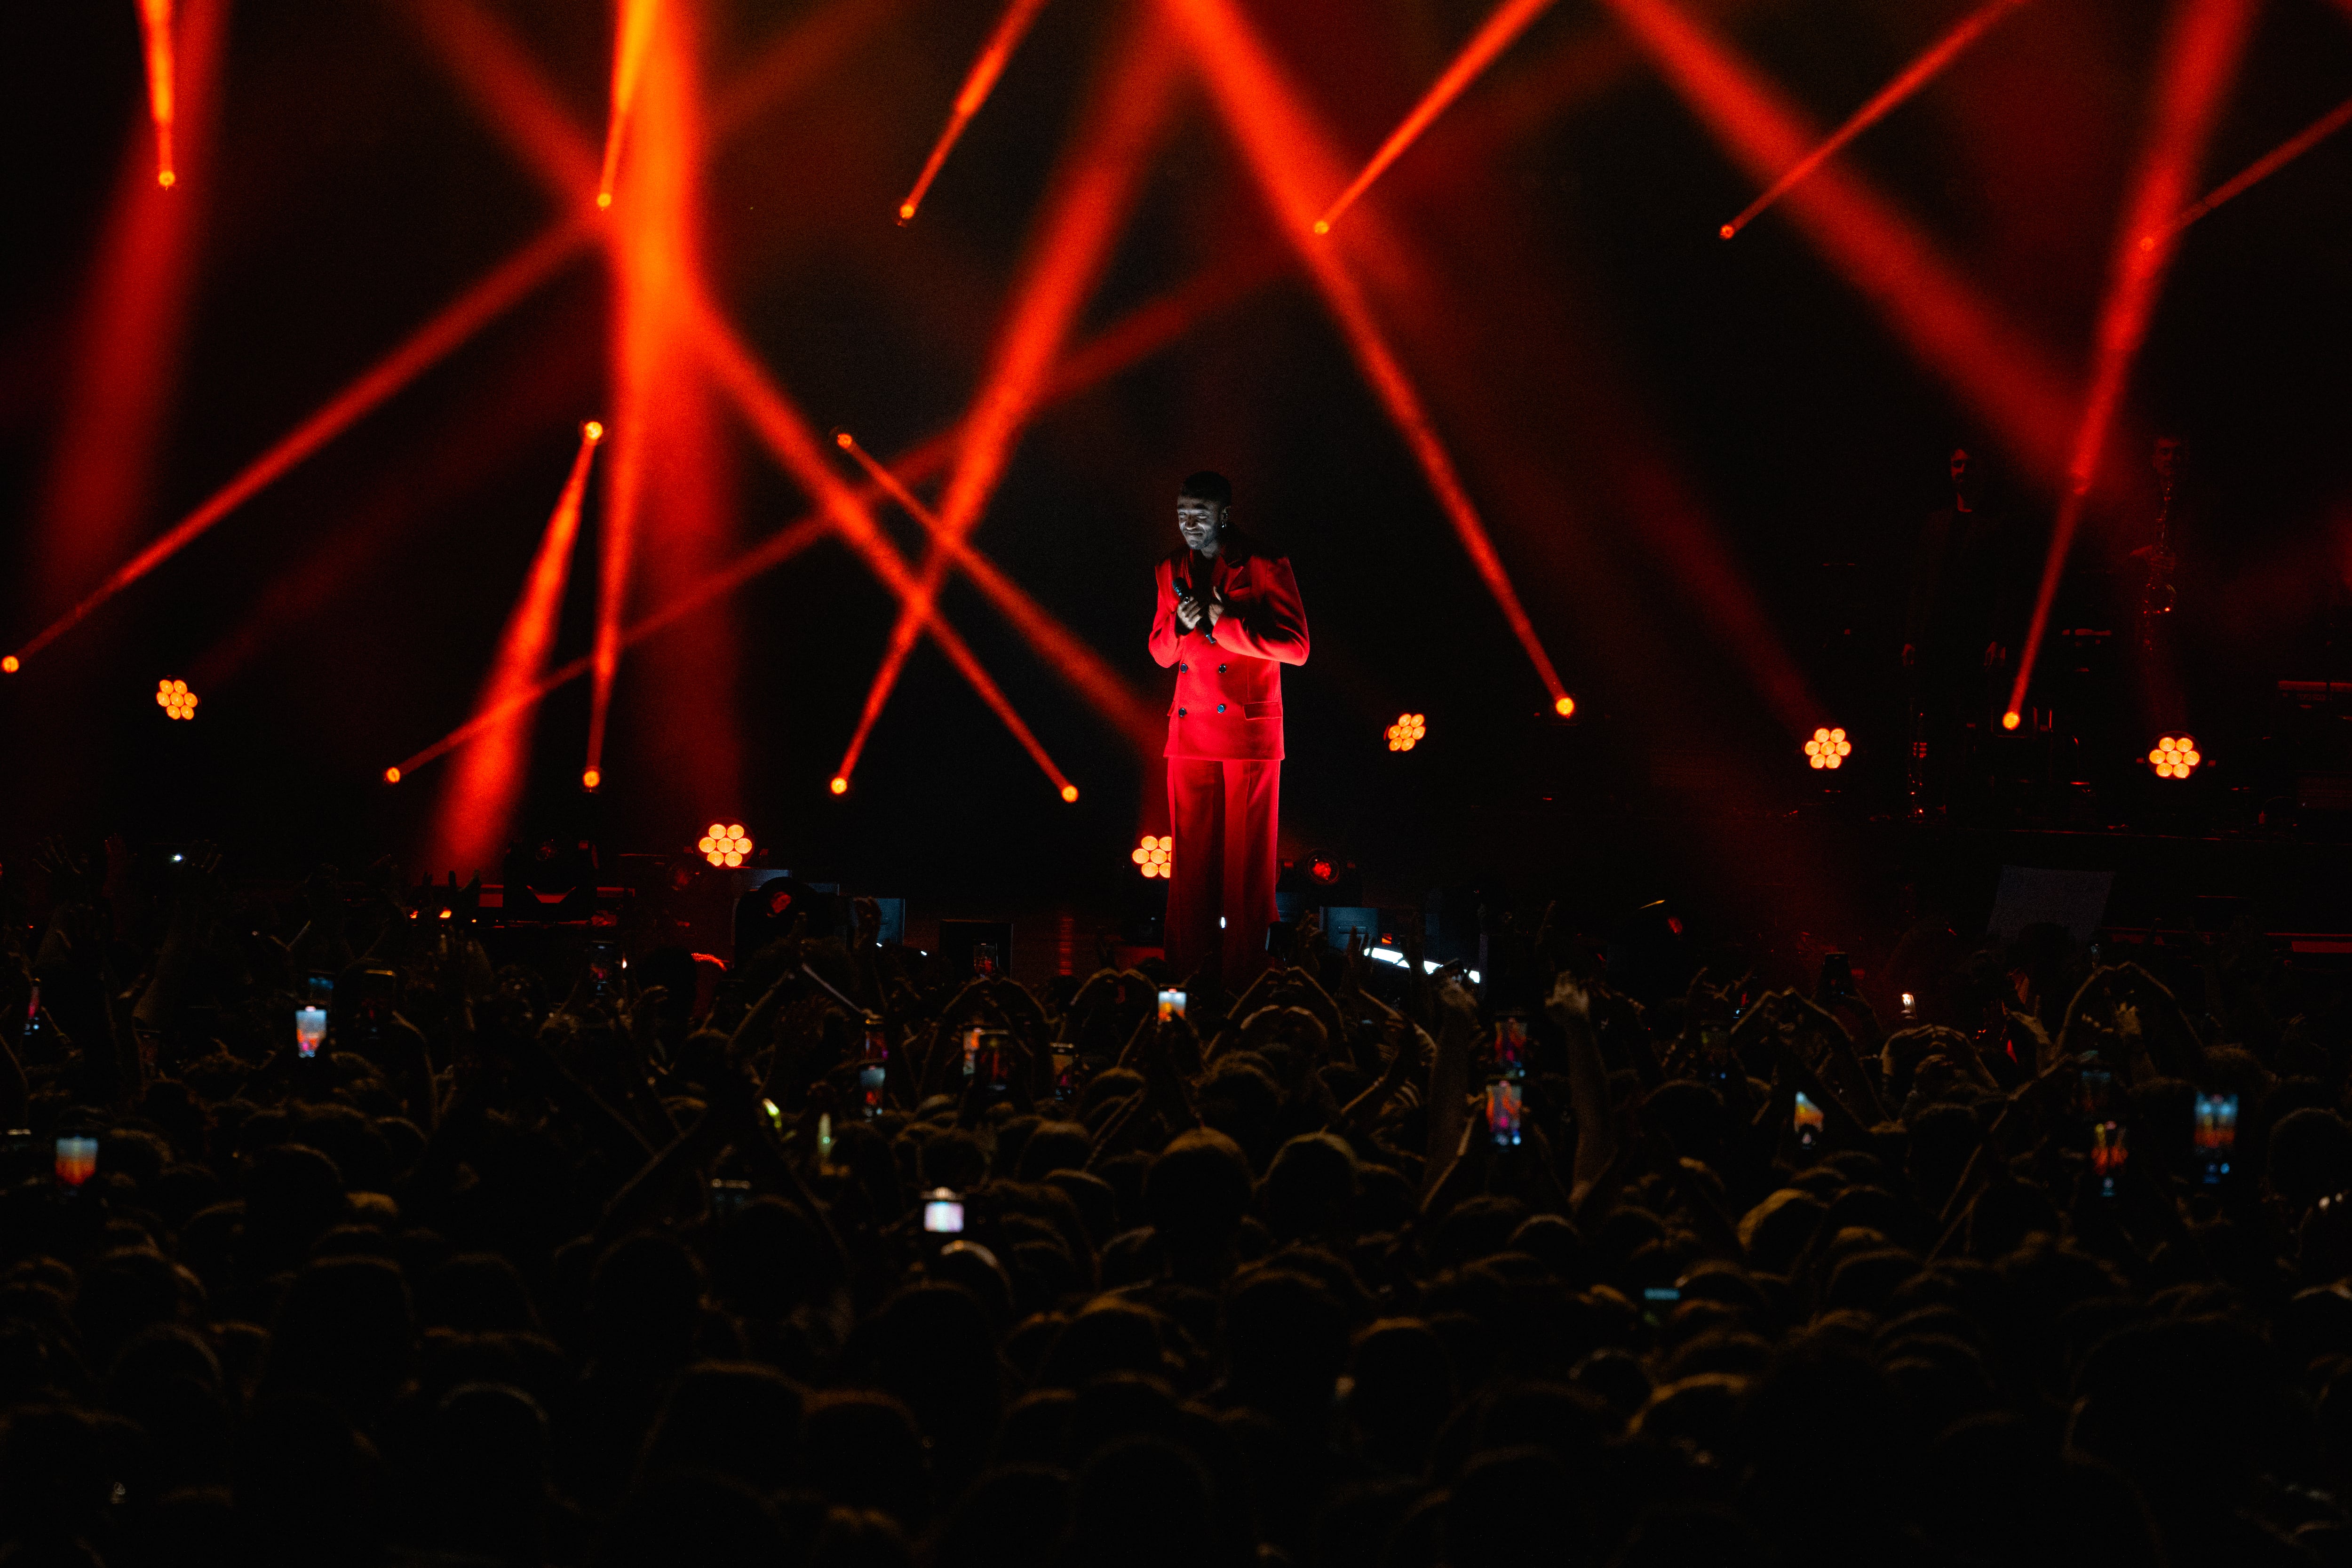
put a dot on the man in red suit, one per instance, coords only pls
(1228, 618)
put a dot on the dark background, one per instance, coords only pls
(1588, 345)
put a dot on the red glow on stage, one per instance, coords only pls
(1086, 211)
(1914, 77)
(977, 86)
(631, 37)
(2003, 377)
(156, 27)
(500, 74)
(2261, 169)
(2202, 44)
(458, 321)
(1501, 29)
(477, 807)
(1292, 160)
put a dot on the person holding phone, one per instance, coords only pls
(1228, 618)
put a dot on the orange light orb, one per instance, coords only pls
(1322, 226)
(725, 845)
(1152, 854)
(2010, 720)
(1726, 231)
(166, 178)
(9, 665)
(391, 776)
(593, 430)
(1069, 791)
(1829, 748)
(590, 778)
(603, 199)
(839, 786)
(843, 439)
(905, 212)
(1564, 707)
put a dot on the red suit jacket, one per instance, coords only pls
(1228, 703)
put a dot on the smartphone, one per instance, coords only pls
(378, 999)
(1809, 1122)
(727, 1198)
(2217, 1135)
(2095, 1090)
(1837, 978)
(1662, 1294)
(824, 1141)
(32, 1030)
(605, 964)
(1066, 1074)
(1910, 1005)
(311, 1015)
(993, 1063)
(984, 958)
(1172, 1004)
(971, 1049)
(942, 1212)
(873, 1067)
(1505, 1109)
(1511, 1044)
(76, 1160)
(2108, 1153)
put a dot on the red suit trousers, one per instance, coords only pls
(1223, 816)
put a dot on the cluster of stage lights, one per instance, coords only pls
(1407, 732)
(2175, 757)
(1151, 855)
(725, 845)
(1828, 748)
(175, 700)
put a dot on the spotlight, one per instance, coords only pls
(593, 430)
(1323, 868)
(9, 664)
(2175, 757)
(175, 700)
(1070, 791)
(1828, 748)
(2011, 719)
(725, 845)
(604, 198)
(1565, 707)
(391, 776)
(1407, 732)
(590, 778)
(1151, 854)
(840, 786)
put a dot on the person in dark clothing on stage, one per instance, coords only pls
(1960, 632)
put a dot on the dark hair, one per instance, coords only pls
(1207, 485)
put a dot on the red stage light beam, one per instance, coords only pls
(977, 86)
(2203, 42)
(2261, 169)
(1914, 77)
(1291, 160)
(1501, 30)
(129, 325)
(785, 431)
(1956, 334)
(1065, 653)
(156, 27)
(477, 804)
(631, 35)
(458, 321)
(1092, 194)
(502, 77)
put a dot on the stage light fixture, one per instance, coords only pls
(1070, 791)
(2175, 757)
(840, 786)
(1323, 868)
(1151, 855)
(10, 665)
(2011, 720)
(1828, 748)
(592, 778)
(391, 776)
(175, 700)
(1407, 732)
(725, 845)
(1565, 707)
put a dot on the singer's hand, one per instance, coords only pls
(1188, 611)
(1216, 609)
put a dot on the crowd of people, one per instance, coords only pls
(838, 1259)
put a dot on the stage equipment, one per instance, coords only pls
(1407, 732)
(176, 701)
(1151, 855)
(2175, 757)
(1828, 748)
(155, 24)
(725, 845)
(976, 85)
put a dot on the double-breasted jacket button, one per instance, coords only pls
(1220, 669)
(1180, 712)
